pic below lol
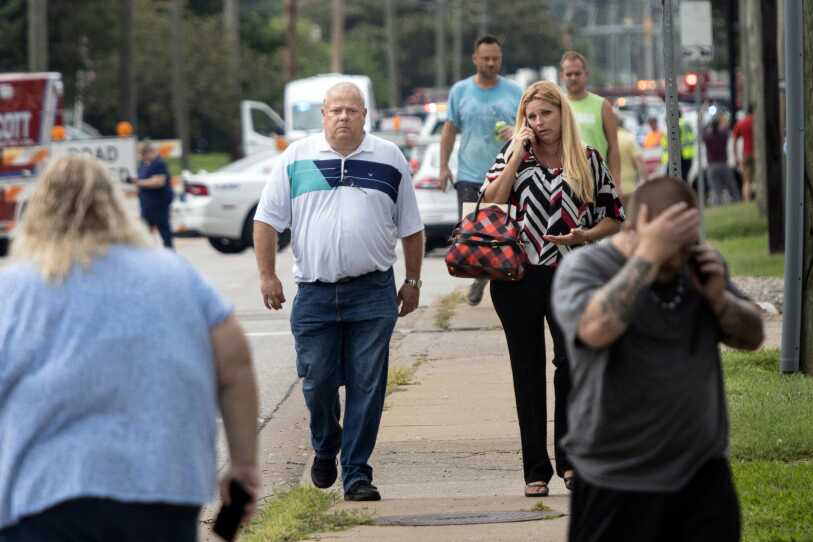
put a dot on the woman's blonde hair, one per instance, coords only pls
(75, 213)
(572, 153)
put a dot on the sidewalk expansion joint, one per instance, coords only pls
(463, 518)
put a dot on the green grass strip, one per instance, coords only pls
(776, 500)
(771, 414)
(298, 512)
(735, 220)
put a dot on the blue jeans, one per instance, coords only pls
(342, 334)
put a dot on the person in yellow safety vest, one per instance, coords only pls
(686, 147)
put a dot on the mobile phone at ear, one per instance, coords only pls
(527, 142)
(702, 276)
(228, 519)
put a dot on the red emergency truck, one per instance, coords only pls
(30, 108)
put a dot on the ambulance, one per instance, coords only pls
(30, 109)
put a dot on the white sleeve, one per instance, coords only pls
(274, 207)
(407, 216)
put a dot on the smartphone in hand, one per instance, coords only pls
(228, 519)
(528, 142)
(702, 276)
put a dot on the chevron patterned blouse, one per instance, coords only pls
(547, 206)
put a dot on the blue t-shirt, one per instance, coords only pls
(474, 111)
(108, 383)
(155, 197)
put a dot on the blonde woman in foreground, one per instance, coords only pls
(114, 359)
(566, 198)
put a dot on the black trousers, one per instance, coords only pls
(705, 510)
(106, 520)
(466, 191)
(523, 307)
(158, 217)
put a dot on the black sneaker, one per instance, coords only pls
(324, 472)
(362, 491)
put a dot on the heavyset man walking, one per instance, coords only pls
(483, 109)
(346, 196)
(594, 114)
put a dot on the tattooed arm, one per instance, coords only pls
(610, 311)
(740, 321)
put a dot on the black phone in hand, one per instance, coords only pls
(228, 519)
(528, 141)
(702, 276)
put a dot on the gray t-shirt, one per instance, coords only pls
(646, 412)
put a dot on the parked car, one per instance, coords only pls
(221, 205)
(438, 208)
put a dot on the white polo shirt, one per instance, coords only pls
(345, 213)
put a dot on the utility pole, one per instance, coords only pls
(484, 17)
(457, 37)
(649, 59)
(794, 88)
(336, 64)
(231, 24)
(179, 107)
(731, 37)
(290, 31)
(38, 35)
(440, 43)
(672, 129)
(772, 136)
(127, 86)
(392, 54)
(806, 350)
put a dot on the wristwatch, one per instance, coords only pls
(413, 282)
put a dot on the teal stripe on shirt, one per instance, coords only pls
(305, 177)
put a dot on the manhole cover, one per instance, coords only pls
(462, 518)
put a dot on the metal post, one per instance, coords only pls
(794, 200)
(701, 179)
(673, 133)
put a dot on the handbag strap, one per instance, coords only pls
(507, 213)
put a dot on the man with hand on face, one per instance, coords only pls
(594, 114)
(643, 314)
(347, 197)
(483, 109)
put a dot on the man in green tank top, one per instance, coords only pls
(594, 114)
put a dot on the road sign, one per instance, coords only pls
(117, 154)
(695, 31)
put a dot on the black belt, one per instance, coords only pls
(345, 279)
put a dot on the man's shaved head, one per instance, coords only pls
(342, 89)
(658, 194)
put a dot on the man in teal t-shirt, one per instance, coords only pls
(594, 114)
(476, 105)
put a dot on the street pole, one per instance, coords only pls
(336, 61)
(440, 44)
(672, 129)
(701, 178)
(392, 54)
(179, 105)
(794, 202)
(37, 35)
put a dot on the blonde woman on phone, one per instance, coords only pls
(565, 198)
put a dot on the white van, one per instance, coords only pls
(303, 102)
(263, 129)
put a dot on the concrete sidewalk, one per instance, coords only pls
(450, 442)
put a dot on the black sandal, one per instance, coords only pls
(541, 486)
(569, 482)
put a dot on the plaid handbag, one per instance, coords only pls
(486, 244)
